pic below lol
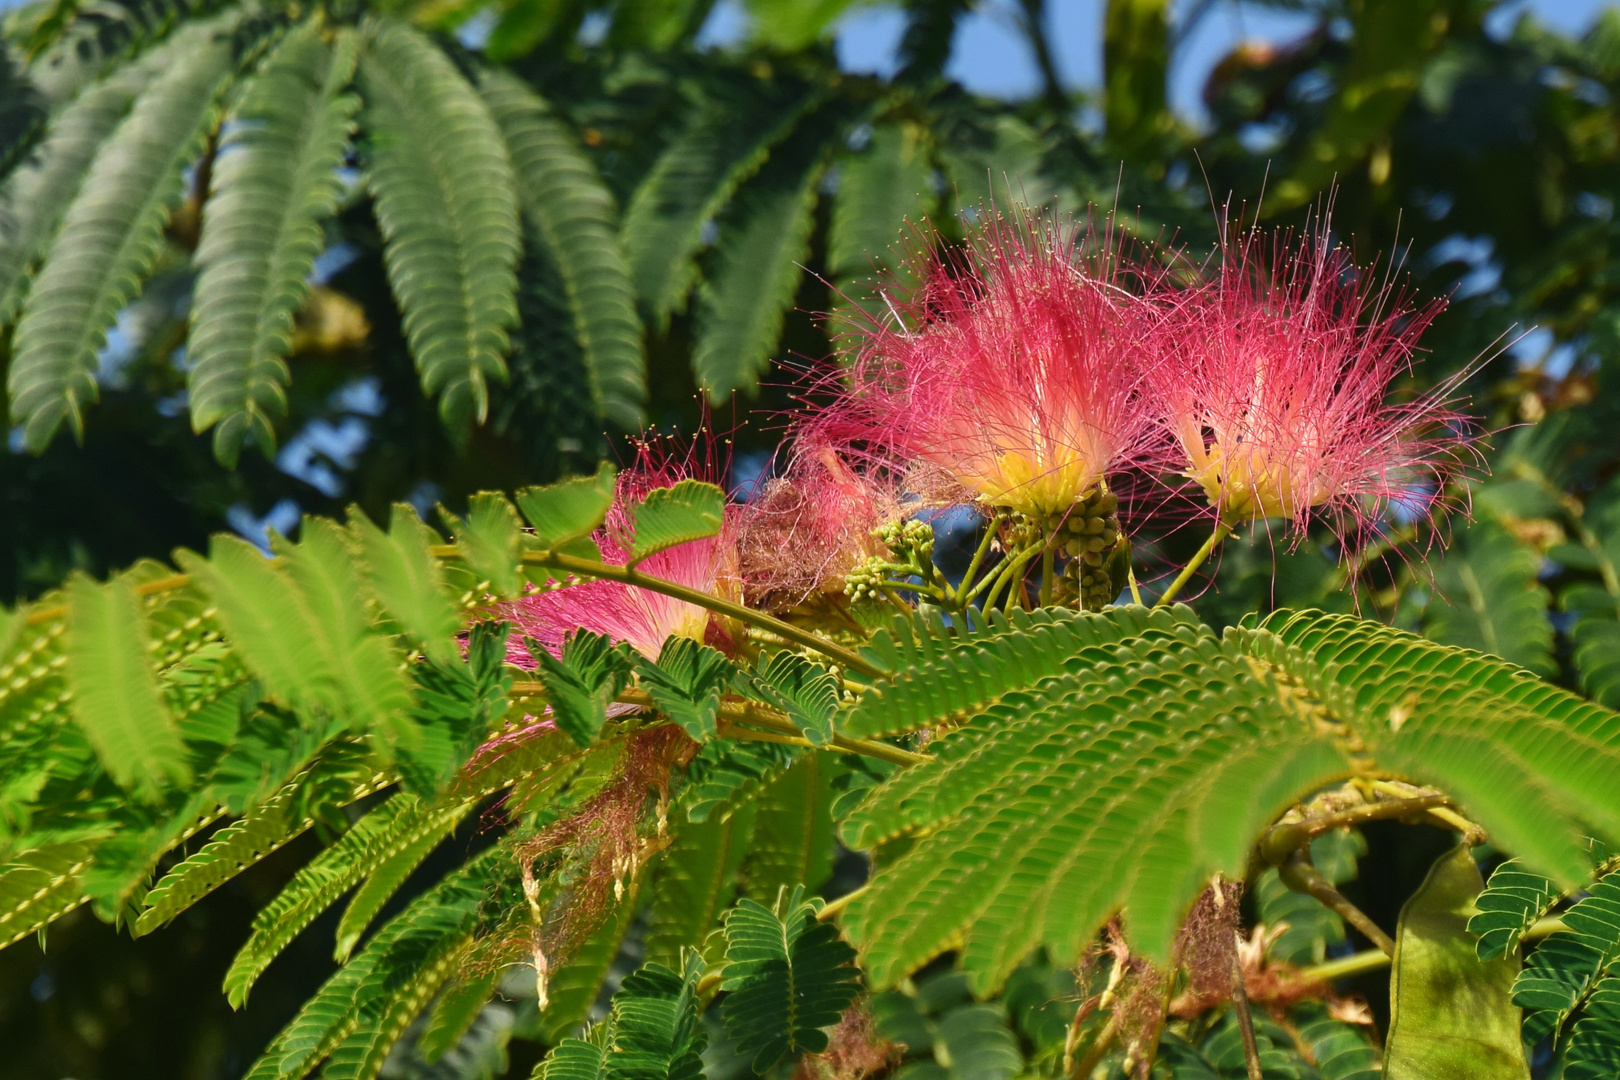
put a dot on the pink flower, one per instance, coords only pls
(623, 612)
(810, 526)
(1009, 374)
(1273, 384)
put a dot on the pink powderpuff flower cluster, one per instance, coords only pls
(622, 612)
(809, 526)
(1010, 374)
(1046, 361)
(1272, 385)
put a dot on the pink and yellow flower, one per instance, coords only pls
(1273, 386)
(1010, 374)
(622, 612)
(807, 528)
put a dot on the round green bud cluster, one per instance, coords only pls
(1090, 536)
(907, 538)
(864, 580)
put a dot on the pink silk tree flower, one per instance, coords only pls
(623, 612)
(1273, 384)
(807, 528)
(1009, 374)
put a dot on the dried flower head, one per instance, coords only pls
(1274, 386)
(1010, 373)
(807, 528)
(623, 612)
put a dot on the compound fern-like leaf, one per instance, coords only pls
(1511, 904)
(42, 186)
(726, 140)
(564, 197)
(110, 237)
(117, 700)
(787, 976)
(764, 243)
(275, 179)
(447, 208)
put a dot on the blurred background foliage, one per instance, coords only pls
(756, 178)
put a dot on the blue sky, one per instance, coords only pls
(990, 56)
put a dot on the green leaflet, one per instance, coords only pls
(41, 188)
(563, 195)
(657, 1031)
(670, 516)
(232, 849)
(455, 1013)
(654, 1032)
(1511, 904)
(111, 234)
(880, 188)
(300, 629)
(694, 881)
(1565, 967)
(489, 540)
(1451, 1014)
(792, 842)
(806, 692)
(406, 580)
(686, 683)
(116, 696)
(365, 666)
(583, 681)
(725, 141)
(571, 510)
(275, 180)
(1596, 633)
(395, 827)
(447, 208)
(39, 886)
(764, 241)
(787, 976)
(1486, 597)
(1594, 1045)
(381, 884)
(1530, 761)
(580, 1059)
(725, 774)
(1116, 769)
(939, 678)
(362, 1009)
(457, 706)
(938, 1022)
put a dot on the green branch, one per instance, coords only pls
(852, 661)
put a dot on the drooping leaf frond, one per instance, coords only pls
(116, 695)
(37, 193)
(764, 243)
(447, 208)
(563, 195)
(111, 233)
(274, 181)
(398, 826)
(724, 142)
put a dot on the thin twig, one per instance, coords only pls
(1298, 874)
(1369, 960)
(554, 560)
(1245, 1019)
